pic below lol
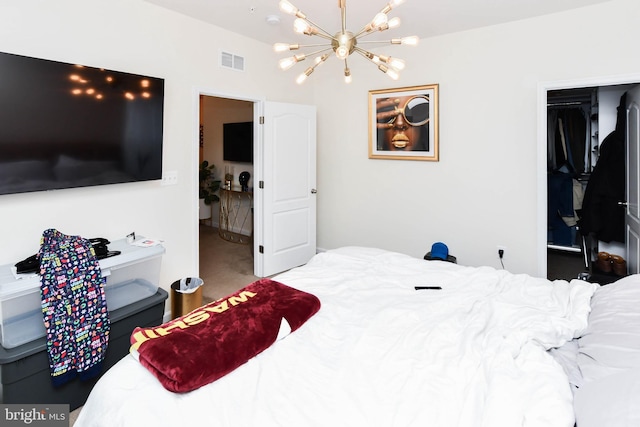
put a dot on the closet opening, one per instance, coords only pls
(578, 121)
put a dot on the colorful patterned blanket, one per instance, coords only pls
(213, 340)
(74, 306)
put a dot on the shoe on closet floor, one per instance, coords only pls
(619, 265)
(604, 262)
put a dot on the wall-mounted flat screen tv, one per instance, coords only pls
(238, 142)
(66, 125)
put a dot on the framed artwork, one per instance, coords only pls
(403, 123)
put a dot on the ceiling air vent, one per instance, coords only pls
(229, 60)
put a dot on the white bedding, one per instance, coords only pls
(380, 353)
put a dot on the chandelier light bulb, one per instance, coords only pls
(347, 75)
(342, 52)
(301, 26)
(302, 77)
(389, 71)
(393, 23)
(320, 59)
(379, 20)
(393, 74)
(392, 4)
(287, 7)
(286, 63)
(409, 41)
(396, 63)
(281, 47)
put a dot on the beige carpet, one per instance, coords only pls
(225, 267)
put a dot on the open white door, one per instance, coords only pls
(287, 191)
(633, 180)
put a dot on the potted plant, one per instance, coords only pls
(208, 186)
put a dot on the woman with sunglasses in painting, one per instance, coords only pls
(403, 123)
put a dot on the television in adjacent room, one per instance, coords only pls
(66, 125)
(238, 142)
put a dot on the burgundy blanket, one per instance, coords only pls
(213, 340)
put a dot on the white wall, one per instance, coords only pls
(137, 37)
(483, 191)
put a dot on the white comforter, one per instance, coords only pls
(380, 353)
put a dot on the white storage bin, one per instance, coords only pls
(130, 277)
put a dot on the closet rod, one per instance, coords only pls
(576, 249)
(568, 104)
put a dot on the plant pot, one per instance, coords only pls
(205, 210)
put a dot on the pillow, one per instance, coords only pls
(611, 401)
(611, 342)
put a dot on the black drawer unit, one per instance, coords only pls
(24, 370)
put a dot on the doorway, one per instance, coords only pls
(598, 100)
(226, 224)
(284, 208)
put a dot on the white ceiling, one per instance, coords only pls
(423, 18)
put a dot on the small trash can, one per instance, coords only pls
(186, 296)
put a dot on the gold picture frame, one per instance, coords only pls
(403, 123)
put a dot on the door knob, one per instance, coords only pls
(625, 204)
(314, 191)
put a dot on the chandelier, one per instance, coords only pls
(343, 43)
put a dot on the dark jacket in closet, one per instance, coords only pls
(601, 214)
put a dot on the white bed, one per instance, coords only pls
(381, 353)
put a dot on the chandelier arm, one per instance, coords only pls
(306, 55)
(391, 62)
(302, 46)
(322, 32)
(363, 32)
(319, 51)
(323, 35)
(366, 54)
(343, 12)
(347, 72)
(370, 29)
(386, 9)
(320, 60)
(385, 68)
(367, 32)
(377, 41)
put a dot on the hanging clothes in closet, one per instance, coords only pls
(603, 215)
(568, 158)
(567, 139)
